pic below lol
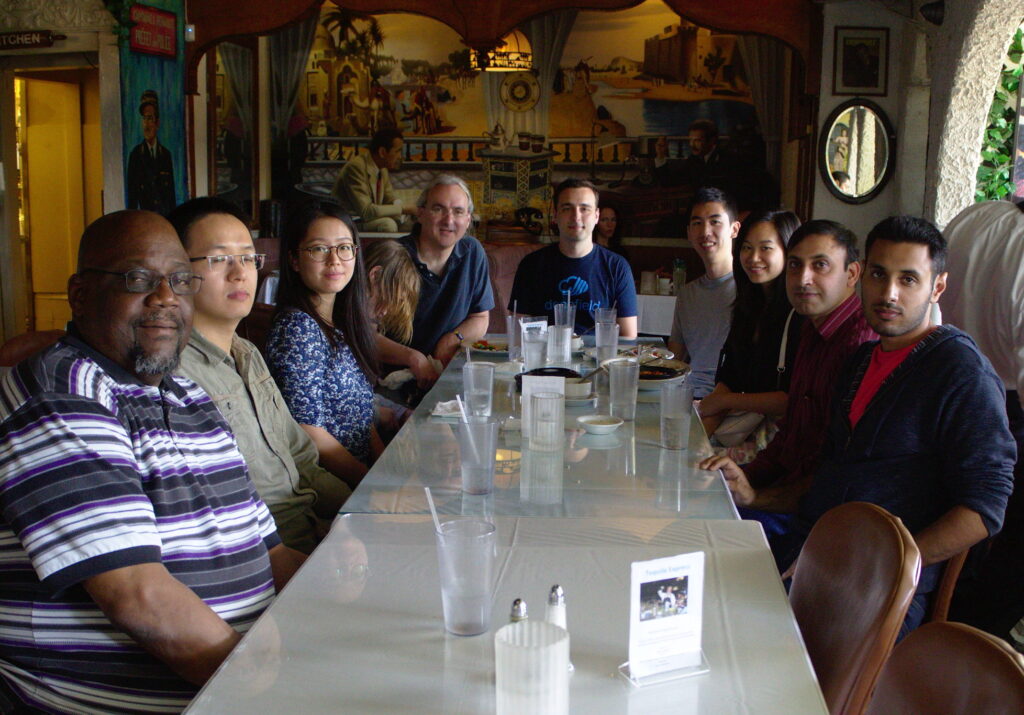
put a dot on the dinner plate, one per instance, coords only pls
(496, 347)
(680, 371)
(627, 351)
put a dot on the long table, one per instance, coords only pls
(359, 629)
(626, 473)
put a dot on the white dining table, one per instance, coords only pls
(626, 473)
(360, 629)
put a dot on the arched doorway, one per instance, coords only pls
(966, 57)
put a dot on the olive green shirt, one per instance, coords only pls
(302, 496)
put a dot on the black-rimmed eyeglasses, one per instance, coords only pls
(143, 280)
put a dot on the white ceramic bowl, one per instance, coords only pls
(599, 424)
(574, 389)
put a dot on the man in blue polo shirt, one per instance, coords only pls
(455, 286)
(590, 275)
(135, 550)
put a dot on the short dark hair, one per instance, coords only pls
(384, 139)
(573, 183)
(187, 214)
(150, 99)
(707, 126)
(712, 194)
(911, 229)
(839, 233)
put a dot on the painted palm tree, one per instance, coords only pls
(354, 33)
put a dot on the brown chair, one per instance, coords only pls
(943, 595)
(502, 263)
(26, 345)
(949, 669)
(853, 584)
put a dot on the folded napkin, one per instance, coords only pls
(449, 409)
(396, 379)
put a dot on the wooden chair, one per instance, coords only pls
(950, 669)
(853, 584)
(943, 595)
(26, 345)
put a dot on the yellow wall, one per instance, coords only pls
(64, 181)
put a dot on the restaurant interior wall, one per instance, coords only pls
(458, 108)
(88, 45)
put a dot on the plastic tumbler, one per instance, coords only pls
(535, 348)
(623, 381)
(606, 338)
(547, 421)
(676, 409)
(465, 555)
(565, 314)
(512, 330)
(478, 384)
(478, 444)
(560, 345)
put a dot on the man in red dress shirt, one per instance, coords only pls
(821, 278)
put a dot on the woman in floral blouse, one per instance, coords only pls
(321, 345)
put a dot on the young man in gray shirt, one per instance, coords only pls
(704, 306)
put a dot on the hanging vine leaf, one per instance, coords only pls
(994, 172)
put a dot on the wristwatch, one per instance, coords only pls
(458, 335)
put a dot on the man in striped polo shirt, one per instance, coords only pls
(134, 549)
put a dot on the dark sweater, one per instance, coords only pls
(934, 436)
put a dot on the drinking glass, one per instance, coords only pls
(478, 384)
(560, 345)
(465, 555)
(547, 421)
(623, 381)
(676, 409)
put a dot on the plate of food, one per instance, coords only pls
(631, 351)
(658, 372)
(490, 347)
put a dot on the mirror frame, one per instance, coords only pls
(826, 130)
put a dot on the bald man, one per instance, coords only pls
(125, 506)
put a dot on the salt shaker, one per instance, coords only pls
(518, 611)
(555, 612)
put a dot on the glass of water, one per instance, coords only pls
(676, 411)
(478, 383)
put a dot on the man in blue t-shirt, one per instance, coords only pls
(593, 276)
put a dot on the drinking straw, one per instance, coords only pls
(465, 420)
(433, 509)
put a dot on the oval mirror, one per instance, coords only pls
(856, 151)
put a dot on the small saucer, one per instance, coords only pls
(599, 424)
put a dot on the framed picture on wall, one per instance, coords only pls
(860, 61)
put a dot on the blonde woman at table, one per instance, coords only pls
(754, 367)
(321, 346)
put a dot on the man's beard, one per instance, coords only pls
(152, 364)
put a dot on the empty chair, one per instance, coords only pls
(950, 668)
(853, 583)
(943, 596)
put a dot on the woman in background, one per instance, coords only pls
(608, 232)
(321, 347)
(755, 365)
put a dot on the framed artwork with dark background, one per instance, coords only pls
(860, 62)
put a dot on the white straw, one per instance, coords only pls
(433, 509)
(468, 358)
(465, 421)
(462, 408)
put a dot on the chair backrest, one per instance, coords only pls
(853, 584)
(26, 345)
(502, 263)
(943, 595)
(950, 668)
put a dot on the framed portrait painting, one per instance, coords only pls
(860, 62)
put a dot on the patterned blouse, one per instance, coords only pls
(323, 386)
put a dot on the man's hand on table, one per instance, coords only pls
(446, 348)
(742, 493)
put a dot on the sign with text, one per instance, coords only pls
(155, 31)
(28, 40)
(665, 615)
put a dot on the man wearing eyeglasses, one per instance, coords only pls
(455, 287)
(135, 548)
(282, 460)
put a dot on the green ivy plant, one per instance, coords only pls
(994, 179)
(121, 10)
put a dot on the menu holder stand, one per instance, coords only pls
(665, 676)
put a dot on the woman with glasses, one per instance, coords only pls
(321, 346)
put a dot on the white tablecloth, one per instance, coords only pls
(336, 641)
